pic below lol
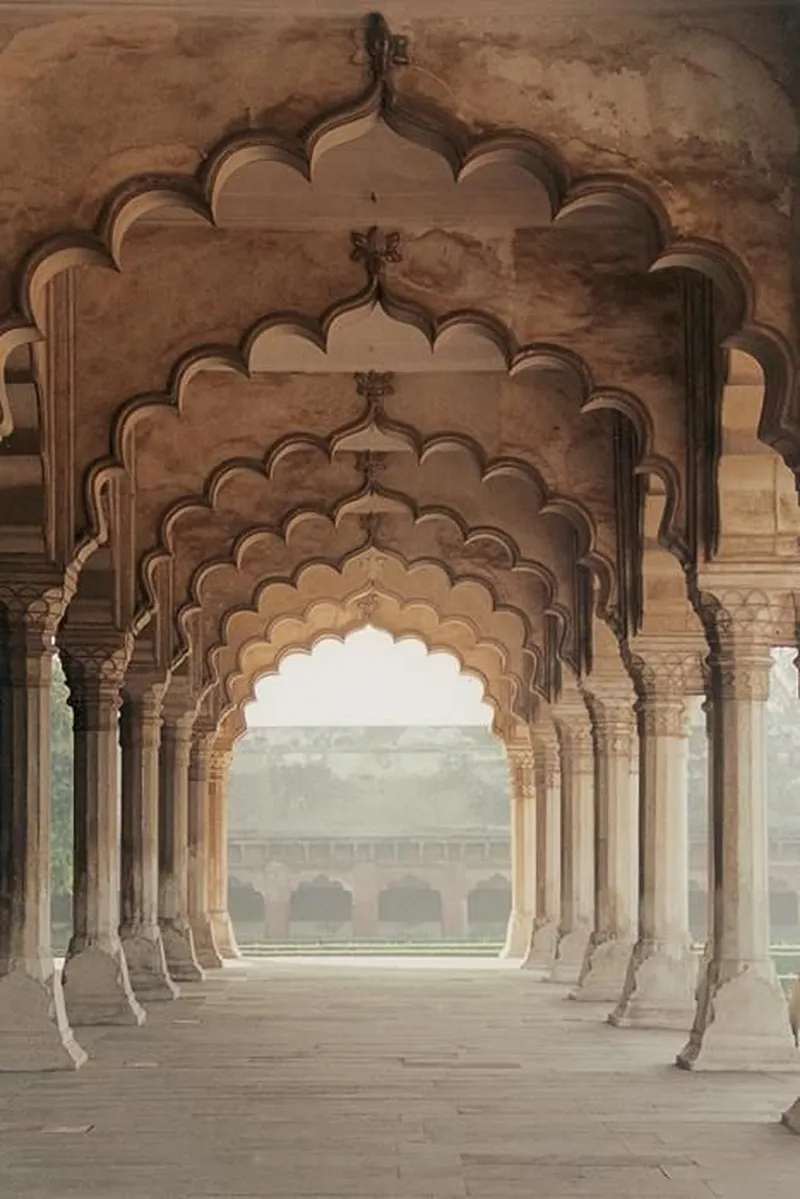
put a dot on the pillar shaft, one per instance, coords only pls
(198, 863)
(661, 982)
(97, 988)
(616, 852)
(218, 853)
(547, 779)
(523, 854)
(742, 1019)
(34, 1032)
(577, 847)
(173, 846)
(139, 930)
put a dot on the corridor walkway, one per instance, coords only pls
(286, 1079)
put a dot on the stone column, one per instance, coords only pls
(140, 733)
(661, 982)
(742, 1018)
(34, 1032)
(205, 947)
(616, 851)
(547, 779)
(523, 853)
(173, 844)
(97, 989)
(577, 849)
(221, 925)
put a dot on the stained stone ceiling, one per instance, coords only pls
(320, 321)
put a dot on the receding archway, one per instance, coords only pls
(489, 906)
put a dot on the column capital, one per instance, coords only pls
(576, 744)
(521, 764)
(34, 600)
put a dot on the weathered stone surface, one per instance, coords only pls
(34, 1032)
(97, 989)
(293, 1080)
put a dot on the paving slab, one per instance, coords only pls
(409, 1079)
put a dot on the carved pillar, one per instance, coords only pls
(97, 989)
(224, 936)
(205, 947)
(140, 735)
(577, 847)
(616, 851)
(34, 1032)
(523, 853)
(173, 843)
(660, 986)
(742, 1019)
(547, 779)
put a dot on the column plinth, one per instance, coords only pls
(173, 833)
(97, 988)
(205, 947)
(34, 1030)
(547, 778)
(577, 848)
(742, 1018)
(139, 931)
(661, 983)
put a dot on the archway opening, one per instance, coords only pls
(370, 761)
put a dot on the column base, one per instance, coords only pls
(97, 989)
(544, 943)
(34, 1032)
(570, 955)
(205, 947)
(518, 935)
(178, 943)
(791, 1118)
(147, 966)
(660, 989)
(742, 1023)
(605, 969)
(224, 936)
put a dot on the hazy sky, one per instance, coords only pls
(369, 680)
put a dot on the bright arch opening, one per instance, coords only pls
(368, 799)
(369, 679)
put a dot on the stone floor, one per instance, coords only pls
(337, 1078)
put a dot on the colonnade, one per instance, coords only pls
(608, 865)
(150, 835)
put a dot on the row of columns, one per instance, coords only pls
(611, 864)
(150, 881)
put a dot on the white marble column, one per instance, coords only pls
(547, 778)
(577, 847)
(523, 853)
(661, 982)
(221, 925)
(173, 843)
(140, 731)
(205, 947)
(34, 1032)
(742, 1018)
(97, 988)
(616, 852)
